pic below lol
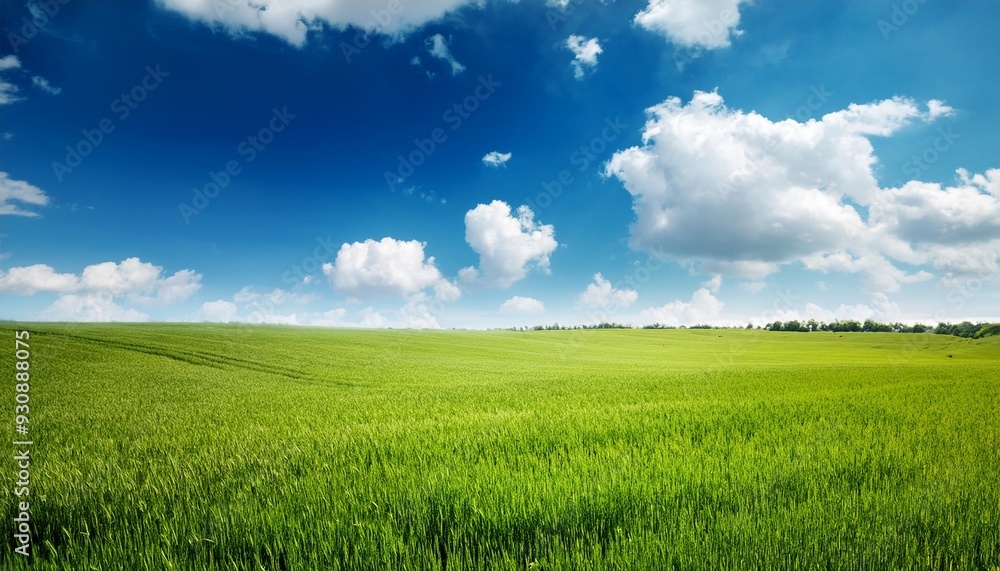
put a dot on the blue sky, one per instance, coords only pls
(451, 163)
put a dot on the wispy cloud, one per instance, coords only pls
(19, 191)
(43, 84)
(496, 159)
(437, 47)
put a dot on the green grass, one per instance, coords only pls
(225, 447)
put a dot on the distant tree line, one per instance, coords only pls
(963, 329)
(557, 327)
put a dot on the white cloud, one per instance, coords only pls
(445, 290)
(749, 269)
(270, 318)
(468, 275)
(496, 159)
(245, 295)
(276, 296)
(388, 268)
(19, 191)
(949, 227)
(880, 309)
(291, 20)
(882, 118)
(43, 84)
(703, 308)
(8, 91)
(734, 193)
(332, 318)
(937, 108)
(373, 319)
(416, 314)
(91, 295)
(30, 280)
(437, 47)
(585, 52)
(132, 278)
(173, 289)
(91, 307)
(9, 62)
(601, 294)
(701, 24)
(753, 287)
(140, 281)
(220, 310)
(713, 284)
(518, 304)
(506, 245)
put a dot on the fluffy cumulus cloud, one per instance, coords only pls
(955, 229)
(585, 52)
(16, 194)
(878, 308)
(29, 280)
(220, 310)
(601, 295)
(94, 295)
(445, 290)
(713, 284)
(701, 24)
(508, 246)
(91, 307)
(732, 192)
(418, 314)
(140, 282)
(703, 308)
(438, 47)
(291, 20)
(387, 268)
(518, 304)
(496, 159)
(372, 319)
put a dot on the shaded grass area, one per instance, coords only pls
(165, 446)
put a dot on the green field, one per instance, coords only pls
(232, 447)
